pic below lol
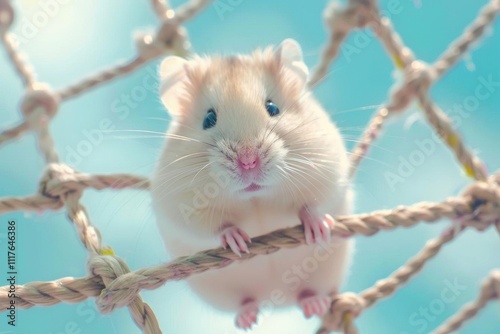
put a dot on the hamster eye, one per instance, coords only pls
(210, 119)
(271, 108)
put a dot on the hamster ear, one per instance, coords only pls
(289, 56)
(173, 83)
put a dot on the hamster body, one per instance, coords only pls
(249, 151)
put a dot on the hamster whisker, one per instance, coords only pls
(137, 130)
(208, 164)
(203, 154)
(291, 130)
(179, 187)
(286, 178)
(302, 166)
(316, 170)
(370, 107)
(302, 173)
(135, 137)
(164, 135)
(192, 156)
(179, 137)
(372, 145)
(179, 173)
(290, 181)
(159, 119)
(308, 149)
(313, 163)
(385, 164)
(317, 157)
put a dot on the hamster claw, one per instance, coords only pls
(315, 305)
(317, 228)
(247, 317)
(236, 239)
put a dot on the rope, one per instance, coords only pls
(489, 291)
(110, 280)
(475, 208)
(18, 60)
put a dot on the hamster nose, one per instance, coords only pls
(248, 159)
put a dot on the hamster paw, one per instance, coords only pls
(315, 305)
(316, 227)
(235, 238)
(247, 316)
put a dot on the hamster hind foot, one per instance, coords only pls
(313, 304)
(247, 316)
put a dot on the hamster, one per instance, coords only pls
(249, 151)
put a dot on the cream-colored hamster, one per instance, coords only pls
(249, 151)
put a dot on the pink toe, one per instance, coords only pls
(248, 316)
(314, 305)
(329, 221)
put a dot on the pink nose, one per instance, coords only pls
(248, 159)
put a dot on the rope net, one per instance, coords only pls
(113, 284)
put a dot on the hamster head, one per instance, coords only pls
(245, 119)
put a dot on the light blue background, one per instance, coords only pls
(84, 36)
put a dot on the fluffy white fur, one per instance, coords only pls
(196, 187)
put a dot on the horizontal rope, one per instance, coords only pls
(479, 202)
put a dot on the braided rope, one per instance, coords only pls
(470, 36)
(52, 188)
(112, 282)
(14, 132)
(68, 289)
(489, 291)
(18, 60)
(464, 208)
(100, 78)
(161, 7)
(190, 9)
(105, 265)
(418, 78)
(39, 106)
(472, 165)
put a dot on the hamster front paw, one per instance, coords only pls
(235, 238)
(316, 227)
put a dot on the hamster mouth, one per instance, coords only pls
(252, 187)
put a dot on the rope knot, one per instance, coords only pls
(58, 180)
(108, 267)
(417, 77)
(39, 105)
(485, 204)
(6, 15)
(339, 317)
(364, 11)
(171, 37)
(146, 46)
(356, 14)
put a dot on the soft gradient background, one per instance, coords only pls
(84, 36)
